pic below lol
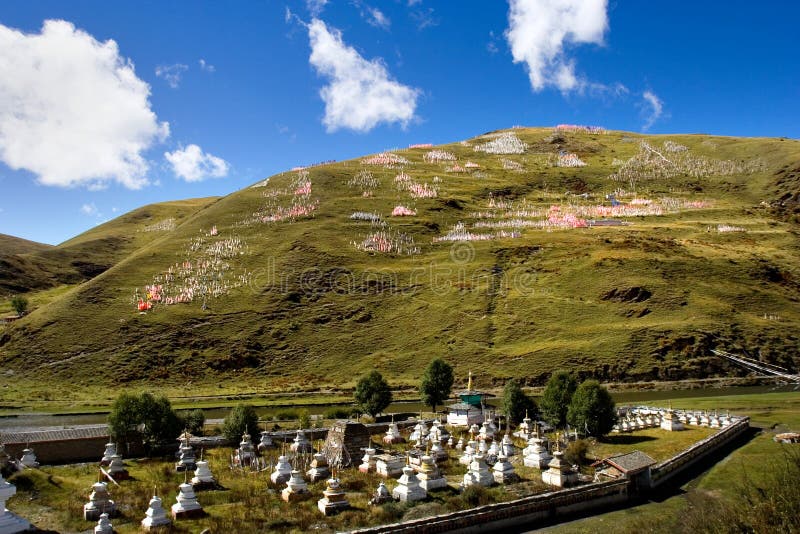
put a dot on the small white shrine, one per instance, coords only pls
(155, 516)
(296, 488)
(437, 451)
(525, 429)
(429, 476)
(103, 526)
(408, 488)
(246, 453)
(368, 461)
(203, 479)
(507, 446)
(670, 422)
(334, 498)
(535, 454)
(469, 452)
(319, 468)
(111, 450)
(29, 458)
(116, 468)
(300, 444)
(99, 503)
(186, 460)
(266, 441)
(502, 471)
(10, 522)
(381, 495)
(282, 471)
(487, 432)
(186, 505)
(393, 434)
(478, 473)
(389, 465)
(559, 473)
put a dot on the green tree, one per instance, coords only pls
(592, 409)
(193, 421)
(516, 402)
(436, 383)
(143, 416)
(556, 398)
(372, 394)
(242, 418)
(20, 305)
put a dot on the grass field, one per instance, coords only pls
(302, 307)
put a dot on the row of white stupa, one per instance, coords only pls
(668, 419)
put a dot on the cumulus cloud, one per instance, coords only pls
(72, 110)
(539, 30)
(206, 66)
(172, 73)
(194, 165)
(653, 108)
(360, 94)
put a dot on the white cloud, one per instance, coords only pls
(360, 93)
(376, 17)
(193, 165)
(72, 110)
(90, 209)
(315, 7)
(653, 107)
(206, 66)
(539, 30)
(172, 73)
(423, 17)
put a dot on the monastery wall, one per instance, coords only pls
(666, 470)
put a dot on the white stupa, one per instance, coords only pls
(116, 468)
(29, 458)
(469, 452)
(203, 479)
(319, 468)
(99, 503)
(535, 454)
(282, 471)
(186, 504)
(266, 441)
(559, 472)
(300, 444)
(381, 495)
(478, 473)
(334, 498)
(10, 522)
(393, 434)
(296, 488)
(155, 516)
(429, 476)
(368, 461)
(669, 421)
(103, 526)
(507, 445)
(503, 471)
(186, 454)
(111, 450)
(408, 488)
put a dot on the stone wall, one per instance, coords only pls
(666, 470)
(525, 511)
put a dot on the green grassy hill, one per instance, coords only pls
(26, 266)
(292, 286)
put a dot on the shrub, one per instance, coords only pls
(193, 421)
(576, 452)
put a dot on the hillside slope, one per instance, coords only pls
(26, 266)
(308, 279)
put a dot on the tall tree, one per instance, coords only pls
(144, 416)
(556, 398)
(515, 402)
(436, 383)
(592, 409)
(372, 394)
(242, 418)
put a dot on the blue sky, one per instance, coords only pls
(203, 98)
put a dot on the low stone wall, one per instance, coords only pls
(666, 470)
(525, 511)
